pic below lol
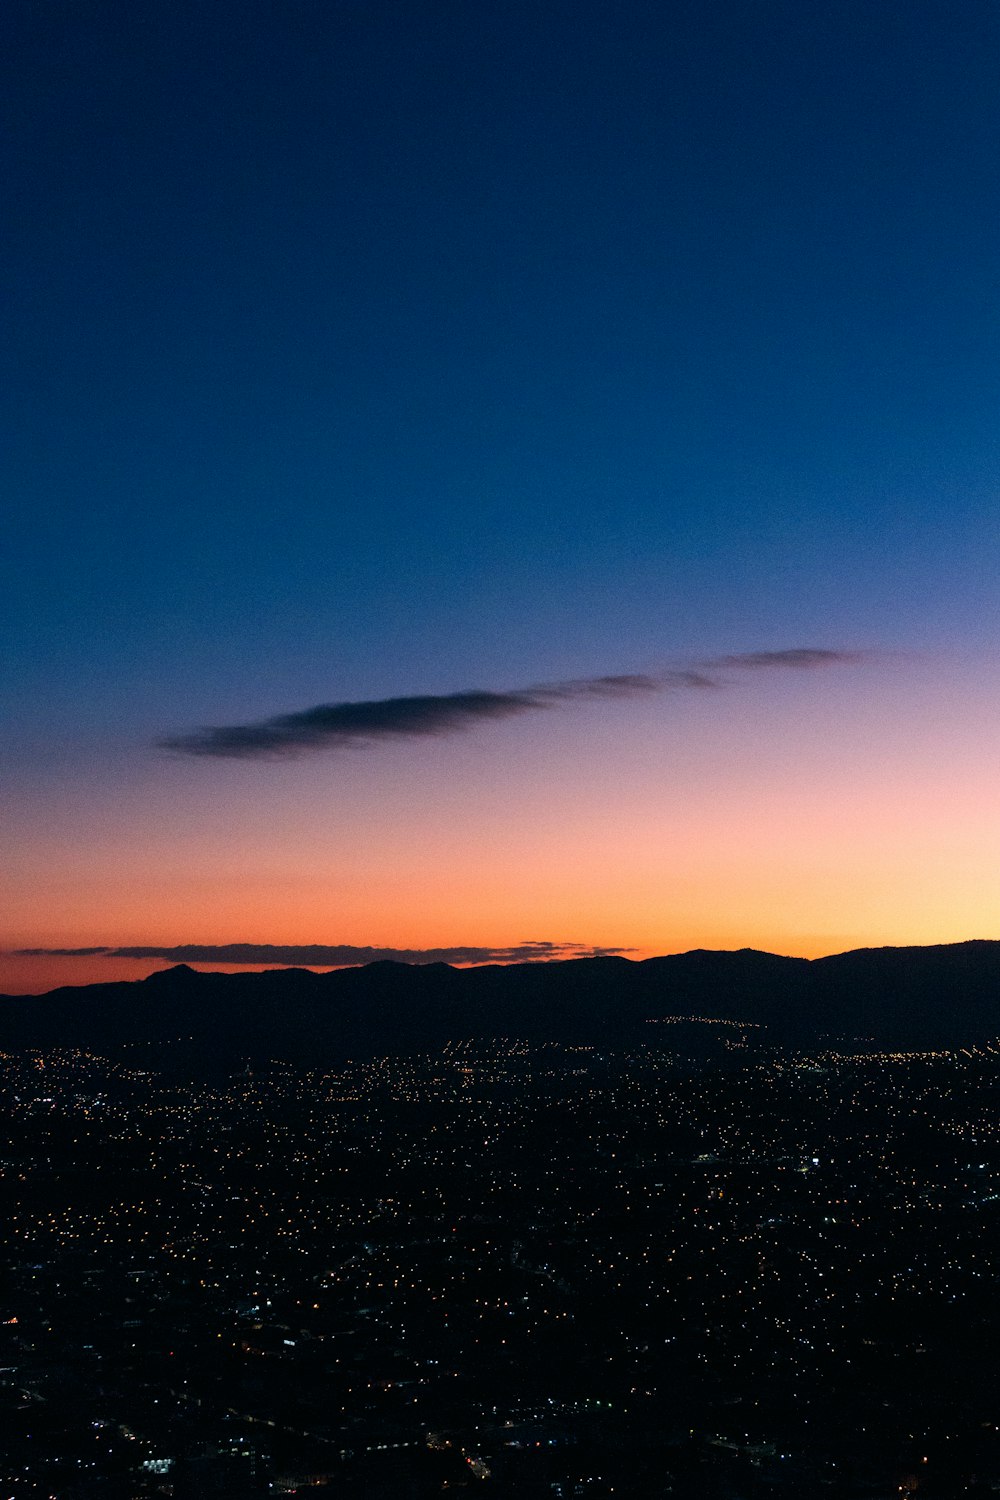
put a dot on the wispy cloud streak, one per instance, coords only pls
(799, 658)
(336, 726)
(331, 955)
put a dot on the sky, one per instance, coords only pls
(497, 480)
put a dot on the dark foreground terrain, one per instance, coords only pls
(704, 1265)
(945, 996)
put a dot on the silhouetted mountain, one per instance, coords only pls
(903, 997)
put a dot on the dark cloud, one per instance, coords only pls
(335, 726)
(331, 956)
(58, 952)
(629, 685)
(803, 657)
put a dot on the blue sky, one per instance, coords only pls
(361, 350)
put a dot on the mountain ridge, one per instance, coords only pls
(904, 997)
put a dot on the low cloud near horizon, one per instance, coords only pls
(335, 726)
(331, 956)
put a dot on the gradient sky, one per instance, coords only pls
(370, 351)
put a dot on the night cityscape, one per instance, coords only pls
(705, 1266)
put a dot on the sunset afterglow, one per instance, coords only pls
(448, 510)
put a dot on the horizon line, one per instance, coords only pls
(197, 966)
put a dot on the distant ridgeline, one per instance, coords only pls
(898, 997)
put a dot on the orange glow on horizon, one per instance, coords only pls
(804, 822)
